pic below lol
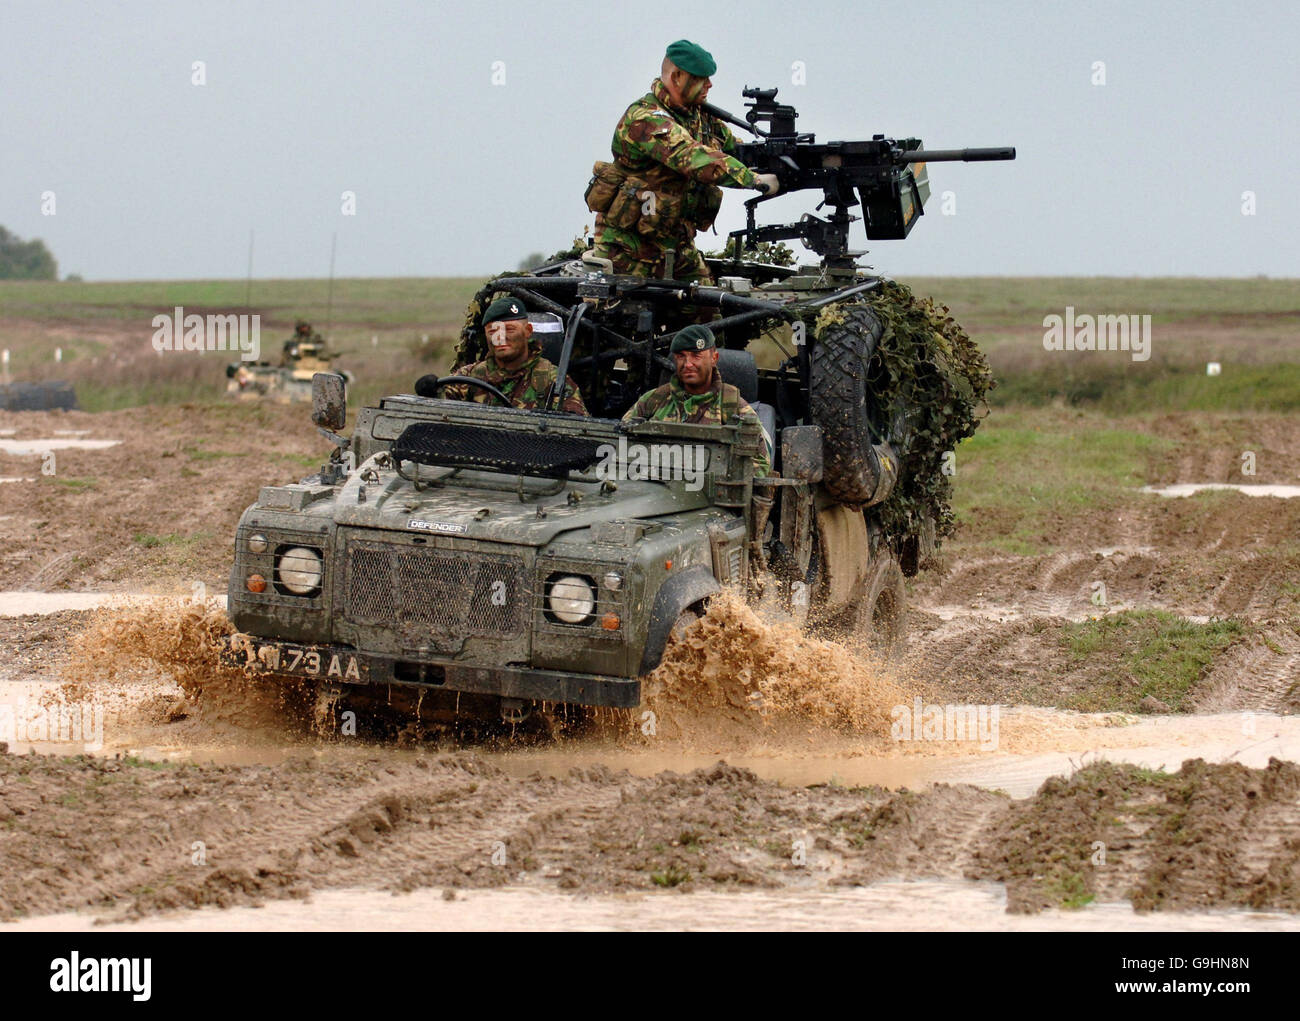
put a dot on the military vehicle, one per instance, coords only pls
(479, 557)
(302, 356)
(53, 395)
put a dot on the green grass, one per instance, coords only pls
(1021, 475)
(394, 301)
(673, 875)
(135, 762)
(198, 454)
(1119, 388)
(1248, 324)
(1143, 774)
(991, 300)
(77, 485)
(299, 460)
(1069, 890)
(1150, 652)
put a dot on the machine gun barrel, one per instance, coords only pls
(885, 177)
(1006, 152)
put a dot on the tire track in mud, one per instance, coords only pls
(1261, 674)
(1248, 582)
(1209, 835)
(990, 624)
(1205, 836)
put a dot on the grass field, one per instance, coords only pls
(393, 328)
(1033, 466)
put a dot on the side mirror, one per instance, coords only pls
(329, 400)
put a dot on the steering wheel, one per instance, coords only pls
(428, 386)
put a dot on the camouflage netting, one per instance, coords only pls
(928, 379)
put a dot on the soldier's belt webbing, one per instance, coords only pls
(526, 453)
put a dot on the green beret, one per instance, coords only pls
(692, 58)
(694, 338)
(504, 310)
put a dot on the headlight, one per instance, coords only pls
(571, 599)
(300, 570)
(257, 543)
(613, 581)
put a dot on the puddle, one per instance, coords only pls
(1155, 742)
(41, 446)
(922, 905)
(20, 604)
(1018, 768)
(1189, 488)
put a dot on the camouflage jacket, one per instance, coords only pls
(655, 135)
(718, 405)
(682, 155)
(527, 386)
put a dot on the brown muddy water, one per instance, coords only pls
(775, 778)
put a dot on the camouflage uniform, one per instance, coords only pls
(718, 405)
(681, 157)
(527, 386)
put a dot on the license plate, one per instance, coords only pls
(300, 661)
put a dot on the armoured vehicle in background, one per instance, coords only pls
(468, 557)
(52, 395)
(302, 356)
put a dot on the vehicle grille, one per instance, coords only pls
(452, 591)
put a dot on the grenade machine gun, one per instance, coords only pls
(886, 176)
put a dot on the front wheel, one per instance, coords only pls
(681, 625)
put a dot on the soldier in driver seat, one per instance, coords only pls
(514, 365)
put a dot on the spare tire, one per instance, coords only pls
(843, 405)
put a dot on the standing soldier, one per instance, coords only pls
(670, 156)
(514, 365)
(302, 334)
(697, 394)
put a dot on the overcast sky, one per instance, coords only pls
(155, 177)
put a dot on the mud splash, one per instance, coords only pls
(168, 652)
(734, 677)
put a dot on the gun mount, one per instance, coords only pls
(887, 177)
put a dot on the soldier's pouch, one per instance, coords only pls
(703, 202)
(629, 204)
(603, 186)
(661, 213)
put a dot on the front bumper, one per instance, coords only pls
(343, 665)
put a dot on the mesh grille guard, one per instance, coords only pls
(524, 453)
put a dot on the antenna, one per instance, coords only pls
(329, 305)
(248, 281)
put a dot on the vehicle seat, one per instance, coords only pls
(739, 369)
(548, 328)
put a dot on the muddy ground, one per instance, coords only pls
(771, 765)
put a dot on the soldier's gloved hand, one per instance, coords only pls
(769, 183)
